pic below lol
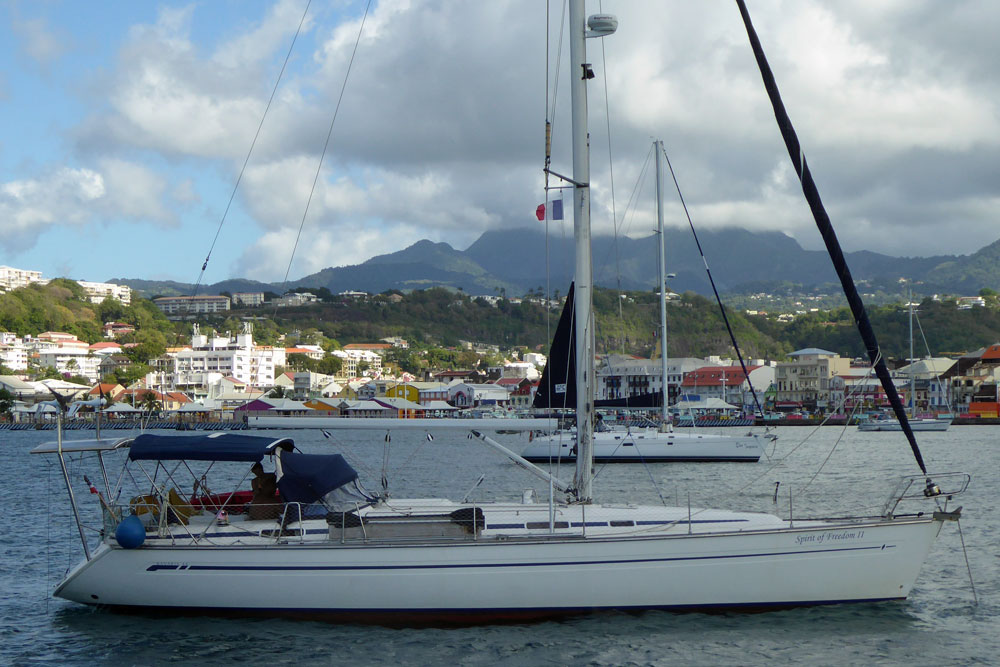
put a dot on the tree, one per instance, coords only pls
(48, 373)
(330, 365)
(278, 392)
(6, 402)
(150, 403)
(301, 362)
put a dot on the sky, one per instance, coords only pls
(127, 124)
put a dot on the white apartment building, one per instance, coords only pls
(235, 357)
(73, 360)
(351, 359)
(252, 299)
(98, 292)
(536, 359)
(520, 369)
(176, 305)
(14, 356)
(11, 278)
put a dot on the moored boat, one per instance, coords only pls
(331, 548)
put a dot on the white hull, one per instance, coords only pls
(650, 446)
(417, 424)
(915, 425)
(737, 560)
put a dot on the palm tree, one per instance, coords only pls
(150, 403)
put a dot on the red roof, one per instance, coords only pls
(992, 353)
(104, 388)
(104, 345)
(716, 376)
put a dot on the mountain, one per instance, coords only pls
(514, 262)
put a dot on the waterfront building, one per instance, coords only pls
(805, 381)
(729, 384)
(230, 356)
(623, 376)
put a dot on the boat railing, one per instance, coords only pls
(941, 486)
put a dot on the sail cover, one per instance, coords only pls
(213, 447)
(825, 227)
(557, 388)
(306, 478)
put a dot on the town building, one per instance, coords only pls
(729, 384)
(620, 377)
(423, 393)
(13, 354)
(466, 395)
(229, 356)
(115, 329)
(294, 299)
(72, 360)
(804, 382)
(11, 278)
(356, 363)
(180, 305)
(249, 299)
(98, 292)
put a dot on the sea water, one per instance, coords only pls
(832, 472)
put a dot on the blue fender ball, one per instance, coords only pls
(130, 533)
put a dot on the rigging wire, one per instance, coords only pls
(611, 174)
(253, 143)
(550, 110)
(722, 308)
(329, 134)
(778, 463)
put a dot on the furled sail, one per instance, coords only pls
(829, 236)
(557, 388)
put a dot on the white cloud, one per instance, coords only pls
(269, 256)
(134, 192)
(439, 134)
(31, 206)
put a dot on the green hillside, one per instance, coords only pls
(436, 320)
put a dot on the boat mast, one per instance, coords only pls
(913, 384)
(580, 71)
(658, 148)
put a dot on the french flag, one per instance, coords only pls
(555, 210)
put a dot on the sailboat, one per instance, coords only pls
(631, 444)
(335, 550)
(916, 424)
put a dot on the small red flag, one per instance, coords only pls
(540, 212)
